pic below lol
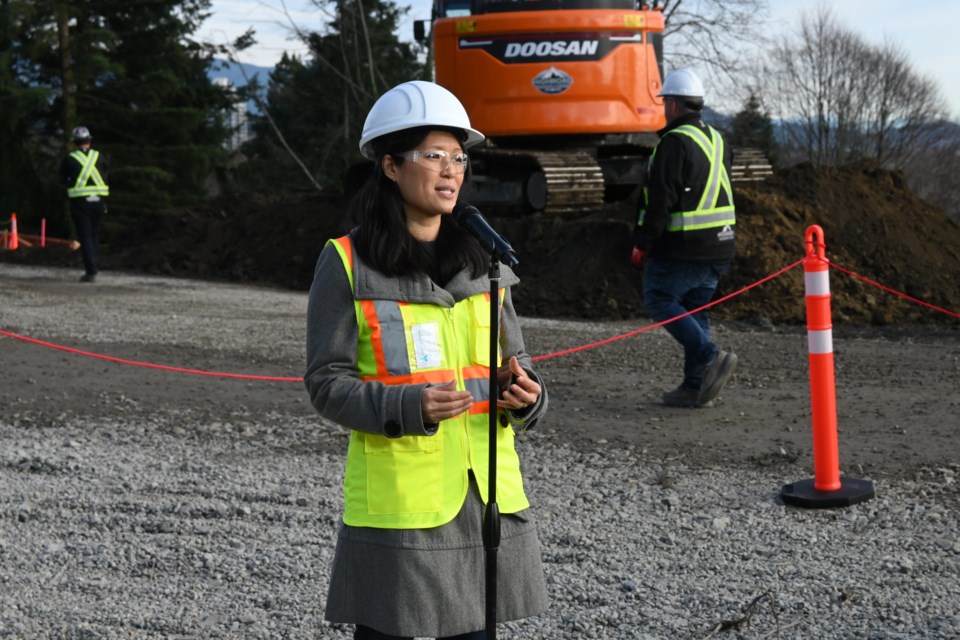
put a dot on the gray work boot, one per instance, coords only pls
(682, 396)
(717, 374)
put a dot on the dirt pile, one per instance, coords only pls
(873, 226)
(577, 267)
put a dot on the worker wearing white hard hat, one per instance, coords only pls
(415, 104)
(398, 353)
(684, 238)
(84, 174)
(682, 83)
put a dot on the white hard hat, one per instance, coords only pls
(415, 104)
(682, 82)
(81, 133)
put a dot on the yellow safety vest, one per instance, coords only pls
(418, 482)
(709, 212)
(88, 172)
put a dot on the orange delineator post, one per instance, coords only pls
(823, 396)
(826, 489)
(14, 238)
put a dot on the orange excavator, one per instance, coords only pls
(565, 91)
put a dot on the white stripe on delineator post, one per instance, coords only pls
(820, 342)
(816, 283)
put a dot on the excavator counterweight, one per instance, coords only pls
(564, 90)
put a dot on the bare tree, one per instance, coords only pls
(933, 170)
(316, 106)
(903, 104)
(711, 34)
(230, 50)
(842, 99)
(813, 85)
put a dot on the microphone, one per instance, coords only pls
(469, 218)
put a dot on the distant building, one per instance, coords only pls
(237, 119)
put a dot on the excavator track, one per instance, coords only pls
(574, 182)
(555, 182)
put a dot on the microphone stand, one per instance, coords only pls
(491, 515)
(500, 251)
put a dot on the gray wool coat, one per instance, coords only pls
(422, 582)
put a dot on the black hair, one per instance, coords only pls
(382, 239)
(690, 103)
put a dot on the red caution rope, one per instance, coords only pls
(148, 365)
(894, 292)
(674, 319)
(240, 376)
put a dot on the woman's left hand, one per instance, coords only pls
(519, 390)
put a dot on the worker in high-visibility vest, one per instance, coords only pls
(84, 174)
(686, 229)
(398, 351)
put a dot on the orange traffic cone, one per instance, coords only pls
(14, 238)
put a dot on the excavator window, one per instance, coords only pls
(455, 8)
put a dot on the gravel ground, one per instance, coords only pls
(141, 503)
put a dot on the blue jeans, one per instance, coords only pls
(366, 633)
(671, 288)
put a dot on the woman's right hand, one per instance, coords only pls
(443, 402)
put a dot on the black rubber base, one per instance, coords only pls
(803, 494)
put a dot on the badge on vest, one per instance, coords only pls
(426, 345)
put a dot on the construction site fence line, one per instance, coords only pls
(624, 336)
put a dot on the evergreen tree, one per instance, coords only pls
(157, 109)
(752, 127)
(22, 98)
(130, 73)
(319, 105)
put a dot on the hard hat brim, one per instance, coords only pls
(413, 105)
(473, 137)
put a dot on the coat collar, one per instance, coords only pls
(688, 118)
(419, 288)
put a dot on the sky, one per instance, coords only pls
(924, 34)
